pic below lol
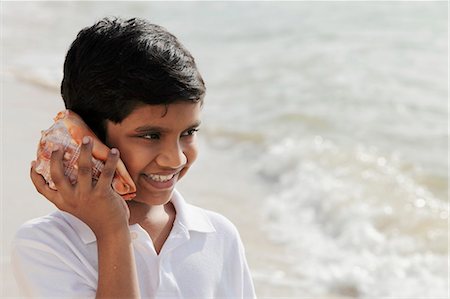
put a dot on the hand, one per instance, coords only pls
(97, 205)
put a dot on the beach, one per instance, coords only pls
(323, 139)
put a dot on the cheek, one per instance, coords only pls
(136, 157)
(191, 153)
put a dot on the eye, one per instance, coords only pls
(190, 132)
(151, 136)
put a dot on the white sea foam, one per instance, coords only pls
(356, 223)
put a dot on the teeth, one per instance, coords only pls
(160, 178)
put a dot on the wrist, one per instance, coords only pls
(116, 236)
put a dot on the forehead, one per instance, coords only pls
(178, 113)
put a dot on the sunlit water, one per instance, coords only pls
(338, 109)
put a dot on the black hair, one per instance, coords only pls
(117, 65)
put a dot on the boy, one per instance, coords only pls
(140, 91)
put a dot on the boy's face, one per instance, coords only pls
(158, 144)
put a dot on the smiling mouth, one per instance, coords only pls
(160, 178)
(161, 181)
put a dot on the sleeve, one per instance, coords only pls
(237, 279)
(41, 272)
(247, 287)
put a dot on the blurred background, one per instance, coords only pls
(324, 135)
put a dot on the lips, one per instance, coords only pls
(160, 181)
(161, 178)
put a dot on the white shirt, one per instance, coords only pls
(203, 257)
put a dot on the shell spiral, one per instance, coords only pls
(67, 132)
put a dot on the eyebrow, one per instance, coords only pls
(150, 128)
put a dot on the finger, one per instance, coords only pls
(100, 151)
(109, 169)
(57, 170)
(125, 177)
(85, 165)
(42, 187)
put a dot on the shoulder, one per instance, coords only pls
(42, 226)
(53, 230)
(221, 223)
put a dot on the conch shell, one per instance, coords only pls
(67, 132)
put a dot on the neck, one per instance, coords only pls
(143, 213)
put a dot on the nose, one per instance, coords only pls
(171, 156)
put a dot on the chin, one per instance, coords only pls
(154, 198)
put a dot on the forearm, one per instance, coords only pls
(117, 276)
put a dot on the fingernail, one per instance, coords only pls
(114, 151)
(55, 148)
(86, 140)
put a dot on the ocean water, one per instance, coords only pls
(337, 111)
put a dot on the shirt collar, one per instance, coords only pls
(189, 217)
